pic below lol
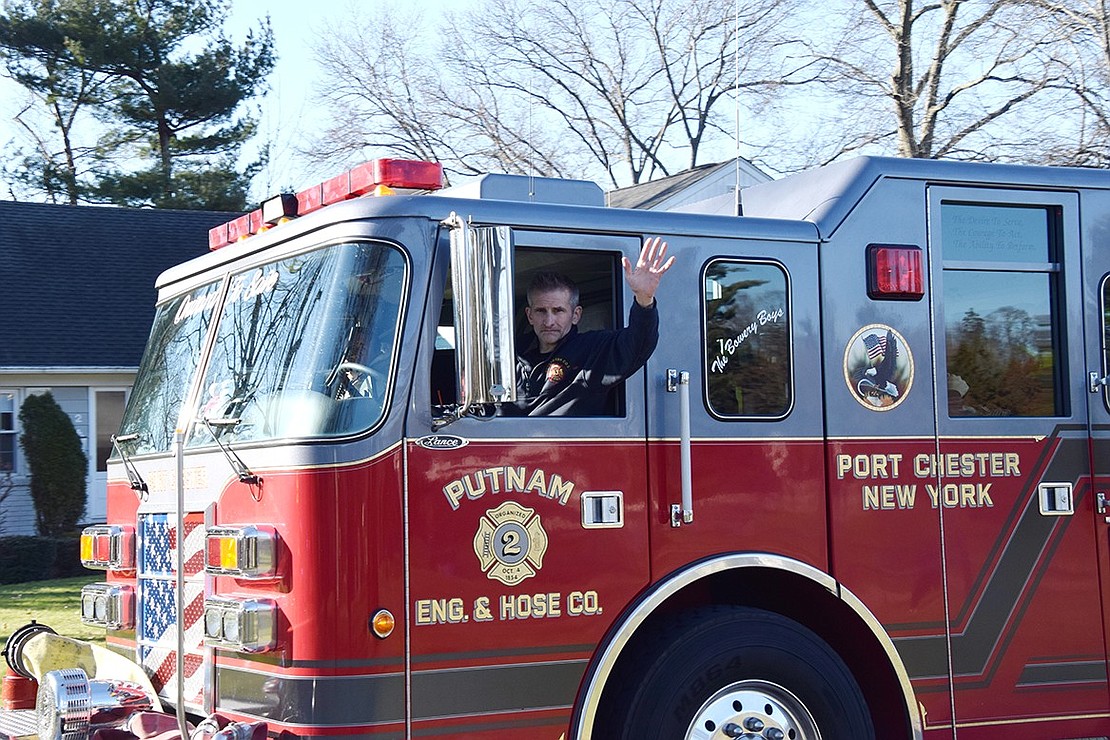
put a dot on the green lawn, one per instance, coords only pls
(57, 604)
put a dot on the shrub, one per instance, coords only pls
(24, 558)
(67, 558)
(56, 462)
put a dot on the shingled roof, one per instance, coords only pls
(697, 183)
(77, 282)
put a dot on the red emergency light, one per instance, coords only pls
(895, 272)
(377, 177)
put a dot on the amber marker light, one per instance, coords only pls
(108, 547)
(382, 623)
(247, 551)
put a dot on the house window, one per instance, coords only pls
(8, 442)
(109, 416)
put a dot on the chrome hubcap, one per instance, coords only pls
(753, 710)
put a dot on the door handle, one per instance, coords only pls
(1101, 502)
(679, 381)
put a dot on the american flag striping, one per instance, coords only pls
(157, 633)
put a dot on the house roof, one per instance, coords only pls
(656, 193)
(77, 282)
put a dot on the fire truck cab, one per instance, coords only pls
(858, 489)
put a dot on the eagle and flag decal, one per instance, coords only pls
(878, 367)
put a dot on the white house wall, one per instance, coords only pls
(73, 391)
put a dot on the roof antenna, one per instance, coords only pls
(736, 105)
(531, 146)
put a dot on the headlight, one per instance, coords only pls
(245, 625)
(108, 605)
(213, 622)
(231, 625)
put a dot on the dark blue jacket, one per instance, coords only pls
(575, 378)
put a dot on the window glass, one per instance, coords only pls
(7, 431)
(594, 274)
(109, 413)
(994, 233)
(166, 372)
(1002, 337)
(304, 346)
(1106, 335)
(747, 334)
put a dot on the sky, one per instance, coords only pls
(288, 113)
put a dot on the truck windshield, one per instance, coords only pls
(303, 348)
(166, 373)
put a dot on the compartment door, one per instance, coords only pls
(1011, 476)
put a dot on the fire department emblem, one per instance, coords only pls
(556, 371)
(878, 367)
(510, 543)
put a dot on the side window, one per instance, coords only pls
(597, 276)
(1105, 303)
(747, 340)
(1003, 333)
(7, 431)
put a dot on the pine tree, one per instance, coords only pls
(57, 464)
(170, 121)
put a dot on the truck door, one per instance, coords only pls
(525, 535)
(1011, 475)
(1096, 292)
(743, 324)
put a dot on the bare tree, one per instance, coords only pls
(967, 79)
(1084, 62)
(621, 90)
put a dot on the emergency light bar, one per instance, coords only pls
(108, 547)
(895, 272)
(377, 177)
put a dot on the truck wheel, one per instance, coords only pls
(736, 672)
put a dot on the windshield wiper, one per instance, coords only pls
(133, 477)
(236, 462)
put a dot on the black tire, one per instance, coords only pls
(738, 666)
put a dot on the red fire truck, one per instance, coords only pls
(858, 490)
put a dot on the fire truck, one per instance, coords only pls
(857, 491)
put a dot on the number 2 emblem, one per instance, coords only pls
(510, 543)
